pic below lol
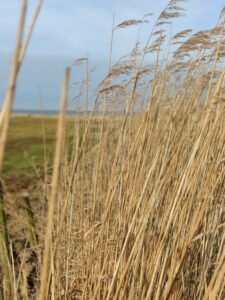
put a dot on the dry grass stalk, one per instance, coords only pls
(45, 271)
(136, 209)
(19, 54)
(128, 23)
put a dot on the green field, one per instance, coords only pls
(30, 141)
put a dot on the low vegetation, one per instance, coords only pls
(26, 145)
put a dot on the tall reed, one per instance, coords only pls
(136, 201)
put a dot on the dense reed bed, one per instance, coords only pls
(134, 207)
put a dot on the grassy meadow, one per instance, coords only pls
(29, 137)
(126, 201)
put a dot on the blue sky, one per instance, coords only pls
(70, 29)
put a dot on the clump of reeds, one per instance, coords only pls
(136, 208)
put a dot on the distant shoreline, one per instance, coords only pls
(27, 115)
(54, 113)
(38, 113)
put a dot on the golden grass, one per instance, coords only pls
(137, 210)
